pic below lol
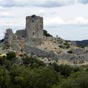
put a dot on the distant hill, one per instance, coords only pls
(83, 43)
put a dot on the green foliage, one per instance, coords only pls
(11, 55)
(33, 73)
(32, 61)
(4, 78)
(65, 45)
(80, 80)
(64, 70)
(1, 61)
(24, 77)
(46, 33)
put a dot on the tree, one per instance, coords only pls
(4, 78)
(77, 80)
(46, 33)
(25, 77)
(64, 70)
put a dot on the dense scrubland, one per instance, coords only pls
(29, 72)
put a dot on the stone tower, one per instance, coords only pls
(9, 37)
(34, 27)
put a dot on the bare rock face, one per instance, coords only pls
(16, 47)
(78, 51)
(39, 52)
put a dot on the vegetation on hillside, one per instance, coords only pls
(29, 72)
(45, 33)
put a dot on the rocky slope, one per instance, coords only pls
(54, 49)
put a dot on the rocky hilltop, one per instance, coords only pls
(35, 40)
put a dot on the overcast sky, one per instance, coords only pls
(65, 18)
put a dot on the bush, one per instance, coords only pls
(32, 62)
(24, 77)
(78, 80)
(4, 78)
(64, 70)
(11, 55)
(46, 33)
(64, 46)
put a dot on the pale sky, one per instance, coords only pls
(65, 18)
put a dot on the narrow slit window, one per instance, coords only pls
(33, 33)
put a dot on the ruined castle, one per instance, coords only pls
(31, 35)
(33, 40)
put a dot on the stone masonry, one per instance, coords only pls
(9, 37)
(34, 27)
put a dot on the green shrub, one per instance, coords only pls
(46, 33)
(11, 55)
(64, 70)
(64, 46)
(78, 80)
(32, 61)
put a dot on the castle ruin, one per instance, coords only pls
(31, 35)
(33, 40)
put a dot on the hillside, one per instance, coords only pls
(34, 40)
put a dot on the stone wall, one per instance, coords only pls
(20, 34)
